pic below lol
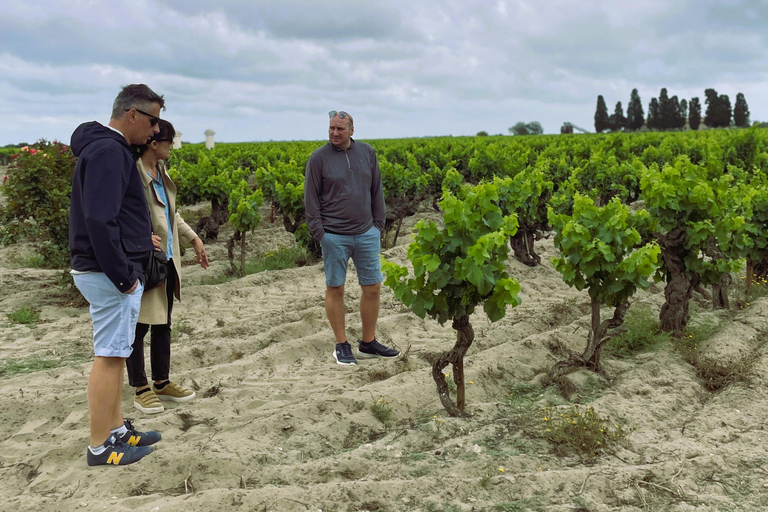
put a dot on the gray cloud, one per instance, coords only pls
(262, 70)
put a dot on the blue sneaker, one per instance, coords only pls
(375, 349)
(343, 354)
(134, 438)
(117, 453)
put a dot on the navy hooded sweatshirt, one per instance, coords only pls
(109, 225)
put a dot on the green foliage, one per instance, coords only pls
(24, 315)
(580, 430)
(462, 265)
(38, 193)
(526, 196)
(693, 199)
(244, 206)
(599, 250)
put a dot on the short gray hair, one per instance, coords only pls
(135, 96)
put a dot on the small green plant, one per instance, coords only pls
(451, 384)
(381, 409)
(24, 315)
(580, 430)
(643, 333)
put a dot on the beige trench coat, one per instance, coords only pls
(154, 303)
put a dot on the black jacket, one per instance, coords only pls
(109, 226)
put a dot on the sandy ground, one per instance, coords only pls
(278, 426)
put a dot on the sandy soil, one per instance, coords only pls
(278, 426)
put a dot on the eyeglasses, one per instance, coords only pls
(340, 113)
(153, 120)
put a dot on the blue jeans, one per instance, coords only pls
(364, 250)
(114, 313)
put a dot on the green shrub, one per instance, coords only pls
(38, 192)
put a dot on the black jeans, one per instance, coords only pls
(160, 343)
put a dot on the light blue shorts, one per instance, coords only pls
(363, 249)
(114, 314)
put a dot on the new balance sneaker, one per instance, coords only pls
(375, 349)
(343, 354)
(136, 438)
(117, 453)
(147, 402)
(175, 393)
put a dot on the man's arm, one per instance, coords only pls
(378, 207)
(313, 180)
(104, 187)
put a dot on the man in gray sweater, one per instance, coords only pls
(344, 202)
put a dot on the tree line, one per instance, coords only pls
(670, 113)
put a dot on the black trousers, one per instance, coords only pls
(160, 343)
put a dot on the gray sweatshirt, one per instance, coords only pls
(343, 192)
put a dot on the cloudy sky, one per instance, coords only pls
(257, 70)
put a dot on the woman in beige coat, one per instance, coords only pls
(169, 230)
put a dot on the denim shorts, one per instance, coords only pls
(114, 314)
(364, 250)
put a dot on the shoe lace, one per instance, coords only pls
(117, 442)
(346, 350)
(130, 428)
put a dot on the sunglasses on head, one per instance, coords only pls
(340, 113)
(153, 120)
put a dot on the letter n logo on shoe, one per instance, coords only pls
(134, 440)
(114, 458)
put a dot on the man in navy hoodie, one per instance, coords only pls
(110, 239)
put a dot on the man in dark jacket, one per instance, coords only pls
(344, 203)
(110, 242)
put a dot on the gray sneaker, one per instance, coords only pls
(343, 354)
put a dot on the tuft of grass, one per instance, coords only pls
(580, 430)
(715, 373)
(642, 333)
(10, 367)
(381, 409)
(24, 315)
(280, 259)
(287, 257)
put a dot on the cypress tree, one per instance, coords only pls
(664, 119)
(673, 114)
(601, 115)
(653, 114)
(694, 115)
(710, 115)
(683, 113)
(617, 121)
(724, 111)
(741, 112)
(635, 114)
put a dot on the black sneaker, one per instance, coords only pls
(375, 349)
(134, 438)
(343, 354)
(117, 453)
